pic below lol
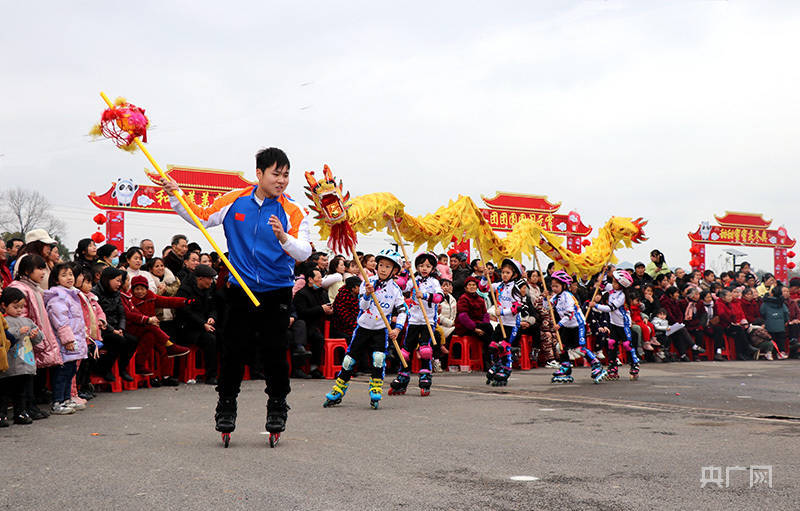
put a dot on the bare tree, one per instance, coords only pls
(22, 210)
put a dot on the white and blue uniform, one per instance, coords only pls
(620, 325)
(370, 334)
(572, 325)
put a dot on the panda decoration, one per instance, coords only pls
(705, 230)
(124, 191)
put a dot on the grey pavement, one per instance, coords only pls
(616, 446)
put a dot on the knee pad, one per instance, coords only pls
(611, 343)
(348, 363)
(426, 352)
(626, 345)
(378, 357)
(405, 353)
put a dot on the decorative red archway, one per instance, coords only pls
(743, 230)
(200, 185)
(505, 209)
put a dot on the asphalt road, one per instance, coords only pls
(615, 446)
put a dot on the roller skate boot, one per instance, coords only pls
(277, 412)
(334, 397)
(563, 374)
(399, 384)
(491, 373)
(634, 373)
(501, 377)
(375, 391)
(225, 418)
(598, 373)
(612, 373)
(424, 383)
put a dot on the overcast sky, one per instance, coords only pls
(674, 111)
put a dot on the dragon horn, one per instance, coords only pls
(639, 237)
(312, 181)
(327, 172)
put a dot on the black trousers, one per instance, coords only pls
(13, 389)
(742, 341)
(264, 326)
(117, 347)
(486, 339)
(366, 342)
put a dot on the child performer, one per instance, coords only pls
(371, 334)
(620, 325)
(430, 295)
(572, 327)
(510, 298)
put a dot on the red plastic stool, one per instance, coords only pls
(330, 368)
(115, 386)
(470, 352)
(525, 362)
(187, 368)
(137, 378)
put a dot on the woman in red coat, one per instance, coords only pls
(675, 309)
(733, 320)
(472, 318)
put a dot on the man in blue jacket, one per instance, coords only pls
(266, 232)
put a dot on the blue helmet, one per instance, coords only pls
(392, 256)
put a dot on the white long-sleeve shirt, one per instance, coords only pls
(389, 295)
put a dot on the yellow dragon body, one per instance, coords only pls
(339, 217)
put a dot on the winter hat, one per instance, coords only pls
(204, 270)
(139, 280)
(471, 279)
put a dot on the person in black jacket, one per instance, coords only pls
(197, 321)
(313, 306)
(117, 343)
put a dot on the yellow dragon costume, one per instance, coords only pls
(339, 218)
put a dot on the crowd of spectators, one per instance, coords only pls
(64, 321)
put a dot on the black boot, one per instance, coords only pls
(277, 412)
(225, 416)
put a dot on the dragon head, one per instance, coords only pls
(330, 203)
(628, 230)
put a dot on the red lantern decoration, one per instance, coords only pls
(585, 242)
(694, 250)
(99, 219)
(790, 254)
(98, 237)
(791, 266)
(695, 262)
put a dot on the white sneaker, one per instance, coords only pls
(553, 364)
(575, 354)
(60, 409)
(600, 355)
(74, 404)
(437, 366)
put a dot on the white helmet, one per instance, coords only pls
(392, 256)
(514, 264)
(623, 277)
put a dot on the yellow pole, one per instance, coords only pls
(598, 284)
(547, 297)
(492, 293)
(380, 310)
(399, 239)
(196, 220)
